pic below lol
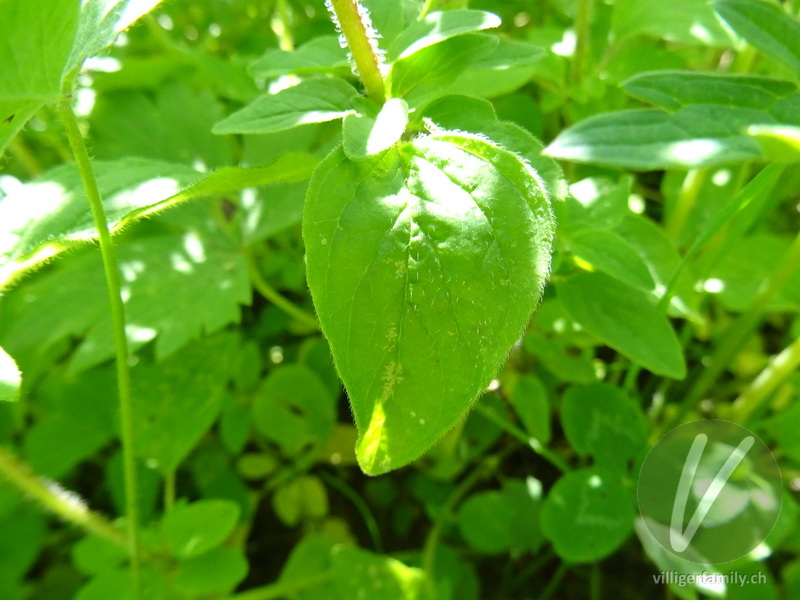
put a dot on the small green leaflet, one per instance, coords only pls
(424, 264)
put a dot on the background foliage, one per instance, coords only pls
(674, 296)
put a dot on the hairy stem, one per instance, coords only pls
(118, 327)
(361, 41)
(65, 504)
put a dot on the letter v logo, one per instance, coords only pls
(680, 538)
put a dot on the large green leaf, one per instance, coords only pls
(41, 219)
(361, 574)
(673, 89)
(625, 319)
(424, 264)
(36, 37)
(766, 26)
(697, 135)
(437, 27)
(311, 101)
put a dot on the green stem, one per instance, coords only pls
(284, 589)
(362, 41)
(737, 334)
(780, 367)
(169, 491)
(26, 158)
(582, 34)
(694, 182)
(523, 437)
(361, 506)
(282, 26)
(446, 513)
(279, 301)
(118, 327)
(554, 582)
(65, 504)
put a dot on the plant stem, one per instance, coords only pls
(361, 506)
(523, 437)
(284, 589)
(780, 367)
(582, 34)
(737, 334)
(169, 491)
(694, 182)
(26, 158)
(66, 505)
(361, 39)
(281, 25)
(279, 301)
(118, 327)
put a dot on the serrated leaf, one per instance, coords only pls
(311, 101)
(766, 26)
(100, 23)
(608, 252)
(178, 400)
(361, 574)
(440, 253)
(601, 421)
(437, 27)
(10, 378)
(193, 529)
(366, 136)
(673, 89)
(623, 318)
(42, 219)
(322, 54)
(587, 515)
(36, 37)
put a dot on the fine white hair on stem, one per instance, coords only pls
(372, 35)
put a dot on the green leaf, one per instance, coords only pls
(310, 557)
(42, 219)
(366, 136)
(698, 135)
(601, 421)
(529, 398)
(216, 572)
(674, 89)
(780, 143)
(425, 75)
(320, 55)
(36, 37)
(436, 275)
(294, 409)
(782, 427)
(10, 378)
(361, 574)
(511, 65)
(437, 27)
(179, 399)
(608, 252)
(687, 21)
(48, 310)
(100, 23)
(311, 101)
(623, 318)
(587, 515)
(92, 555)
(766, 26)
(301, 498)
(77, 419)
(193, 529)
(500, 521)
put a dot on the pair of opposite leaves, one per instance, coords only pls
(425, 262)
